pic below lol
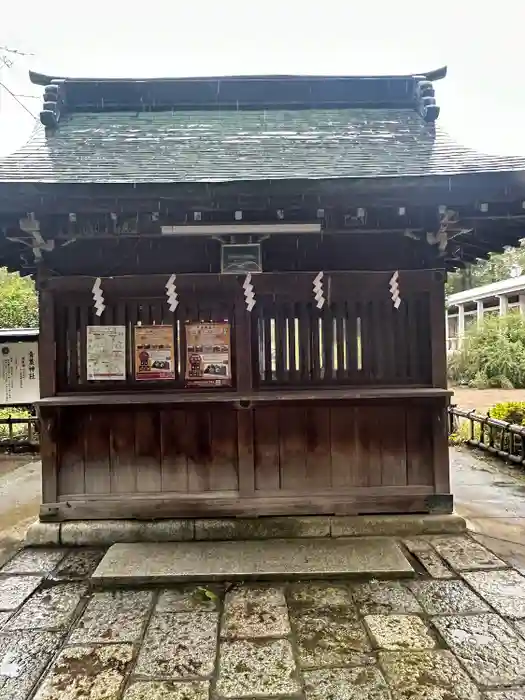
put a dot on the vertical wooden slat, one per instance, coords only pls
(412, 340)
(46, 344)
(266, 439)
(97, 426)
(72, 342)
(243, 348)
(280, 345)
(419, 446)
(392, 437)
(292, 447)
(292, 345)
(71, 477)
(345, 447)
(174, 468)
(82, 350)
(437, 330)
(340, 339)
(224, 466)
(352, 313)
(315, 344)
(387, 349)
(267, 325)
(440, 457)
(327, 329)
(305, 362)
(198, 431)
(121, 320)
(245, 449)
(123, 472)
(147, 451)
(370, 444)
(318, 454)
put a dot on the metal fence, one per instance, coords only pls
(496, 436)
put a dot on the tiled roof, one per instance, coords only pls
(221, 146)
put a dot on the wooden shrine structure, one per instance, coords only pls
(242, 290)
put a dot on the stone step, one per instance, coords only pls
(143, 563)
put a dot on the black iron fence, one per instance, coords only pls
(496, 436)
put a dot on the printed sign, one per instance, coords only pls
(106, 353)
(208, 358)
(19, 373)
(154, 353)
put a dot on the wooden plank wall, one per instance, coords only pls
(298, 448)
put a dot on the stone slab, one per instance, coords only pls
(87, 672)
(42, 534)
(396, 525)
(488, 648)
(113, 616)
(34, 560)
(427, 675)
(429, 559)
(15, 589)
(465, 554)
(104, 533)
(384, 597)
(179, 646)
(400, 632)
(262, 528)
(77, 564)
(265, 559)
(504, 590)
(447, 598)
(49, 609)
(167, 690)
(250, 669)
(365, 683)
(23, 658)
(255, 611)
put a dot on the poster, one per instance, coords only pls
(19, 373)
(154, 353)
(106, 353)
(208, 359)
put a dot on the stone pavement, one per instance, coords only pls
(455, 631)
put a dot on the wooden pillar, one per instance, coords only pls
(47, 374)
(438, 333)
(244, 379)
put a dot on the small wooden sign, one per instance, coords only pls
(241, 258)
(154, 353)
(208, 356)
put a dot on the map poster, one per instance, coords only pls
(154, 353)
(208, 357)
(106, 353)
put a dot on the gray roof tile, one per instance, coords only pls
(221, 146)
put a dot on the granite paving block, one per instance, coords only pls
(396, 525)
(428, 558)
(77, 564)
(113, 616)
(262, 528)
(330, 637)
(50, 608)
(255, 612)
(465, 554)
(427, 675)
(383, 597)
(87, 673)
(399, 632)
(365, 683)
(34, 560)
(510, 694)
(240, 560)
(189, 598)
(179, 645)
(319, 595)
(447, 598)
(504, 590)
(23, 658)
(249, 669)
(15, 589)
(167, 690)
(489, 649)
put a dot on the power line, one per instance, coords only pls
(18, 101)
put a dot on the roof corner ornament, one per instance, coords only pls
(53, 104)
(426, 100)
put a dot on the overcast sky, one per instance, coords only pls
(482, 99)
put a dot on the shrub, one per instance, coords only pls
(492, 355)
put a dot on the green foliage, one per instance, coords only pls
(497, 267)
(492, 355)
(18, 301)
(19, 430)
(509, 411)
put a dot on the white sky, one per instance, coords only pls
(482, 99)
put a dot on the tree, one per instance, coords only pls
(18, 301)
(497, 267)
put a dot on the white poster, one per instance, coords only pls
(106, 353)
(19, 373)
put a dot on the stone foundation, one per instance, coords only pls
(108, 532)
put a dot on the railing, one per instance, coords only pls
(503, 439)
(19, 434)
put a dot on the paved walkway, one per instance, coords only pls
(453, 632)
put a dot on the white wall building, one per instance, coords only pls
(468, 307)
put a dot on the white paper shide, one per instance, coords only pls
(106, 353)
